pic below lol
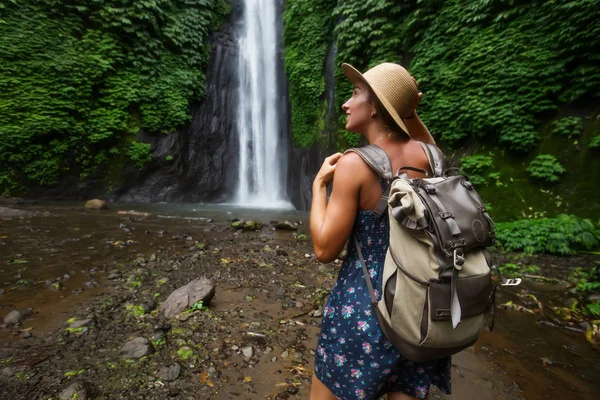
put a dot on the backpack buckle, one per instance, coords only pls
(430, 189)
(467, 184)
(446, 214)
(459, 259)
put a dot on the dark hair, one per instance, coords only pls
(395, 131)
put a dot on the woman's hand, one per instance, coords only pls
(414, 111)
(325, 174)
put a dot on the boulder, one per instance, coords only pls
(247, 225)
(16, 316)
(285, 226)
(186, 296)
(170, 373)
(136, 348)
(96, 204)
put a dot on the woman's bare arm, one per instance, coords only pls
(331, 223)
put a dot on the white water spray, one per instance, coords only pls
(261, 183)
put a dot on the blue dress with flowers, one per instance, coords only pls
(353, 358)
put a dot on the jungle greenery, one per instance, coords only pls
(564, 234)
(80, 78)
(510, 87)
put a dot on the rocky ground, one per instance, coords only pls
(254, 340)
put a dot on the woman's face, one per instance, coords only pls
(358, 109)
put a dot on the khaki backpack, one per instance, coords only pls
(437, 288)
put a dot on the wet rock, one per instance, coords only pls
(77, 390)
(247, 225)
(170, 373)
(299, 304)
(27, 335)
(186, 296)
(115, 274)
(256, 337)
(316, 313)
(285, 226)
(6, 212)
(16, 316)
(136, 348)
(9, 371)
(81, 323)
(96, 204)
(248, 352)
(4, 354)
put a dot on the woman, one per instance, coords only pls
(354, 360)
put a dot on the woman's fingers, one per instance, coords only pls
(332, 159)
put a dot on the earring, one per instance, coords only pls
(373, 114)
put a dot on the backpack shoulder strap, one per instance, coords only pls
(378, 160)
(435, 158)
(375, 158)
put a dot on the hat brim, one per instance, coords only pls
(355, 76)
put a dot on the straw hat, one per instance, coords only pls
(395, 88)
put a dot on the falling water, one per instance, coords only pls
(261, 182)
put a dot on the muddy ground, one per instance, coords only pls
(254, 341)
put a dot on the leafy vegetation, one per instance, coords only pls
(546, 168)
(511, 270)
(568, 126)
(78, 79)
(489, 68)
(564, 234)
(475, 165)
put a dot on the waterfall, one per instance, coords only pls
(261, 182)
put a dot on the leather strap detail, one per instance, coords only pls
(435, 158)
(377, 159)
(374, 300)
(452, 225)
(382, 206)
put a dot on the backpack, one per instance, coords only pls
(437, 289)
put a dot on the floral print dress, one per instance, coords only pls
(353, 358)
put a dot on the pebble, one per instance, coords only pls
(248, 352)
(299, 304)
(235, 348)
(274, 359)
(268, 350)
(285, 354)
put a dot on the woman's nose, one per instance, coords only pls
(345, 106)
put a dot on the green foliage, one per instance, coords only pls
(77, 78)
(490, 69)
(546, 167)
(197, 306)
(510, 270)
(561, 235)
(140, 153)
(568, 126)
(307, 29)
(475, 165)
(595, 143)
